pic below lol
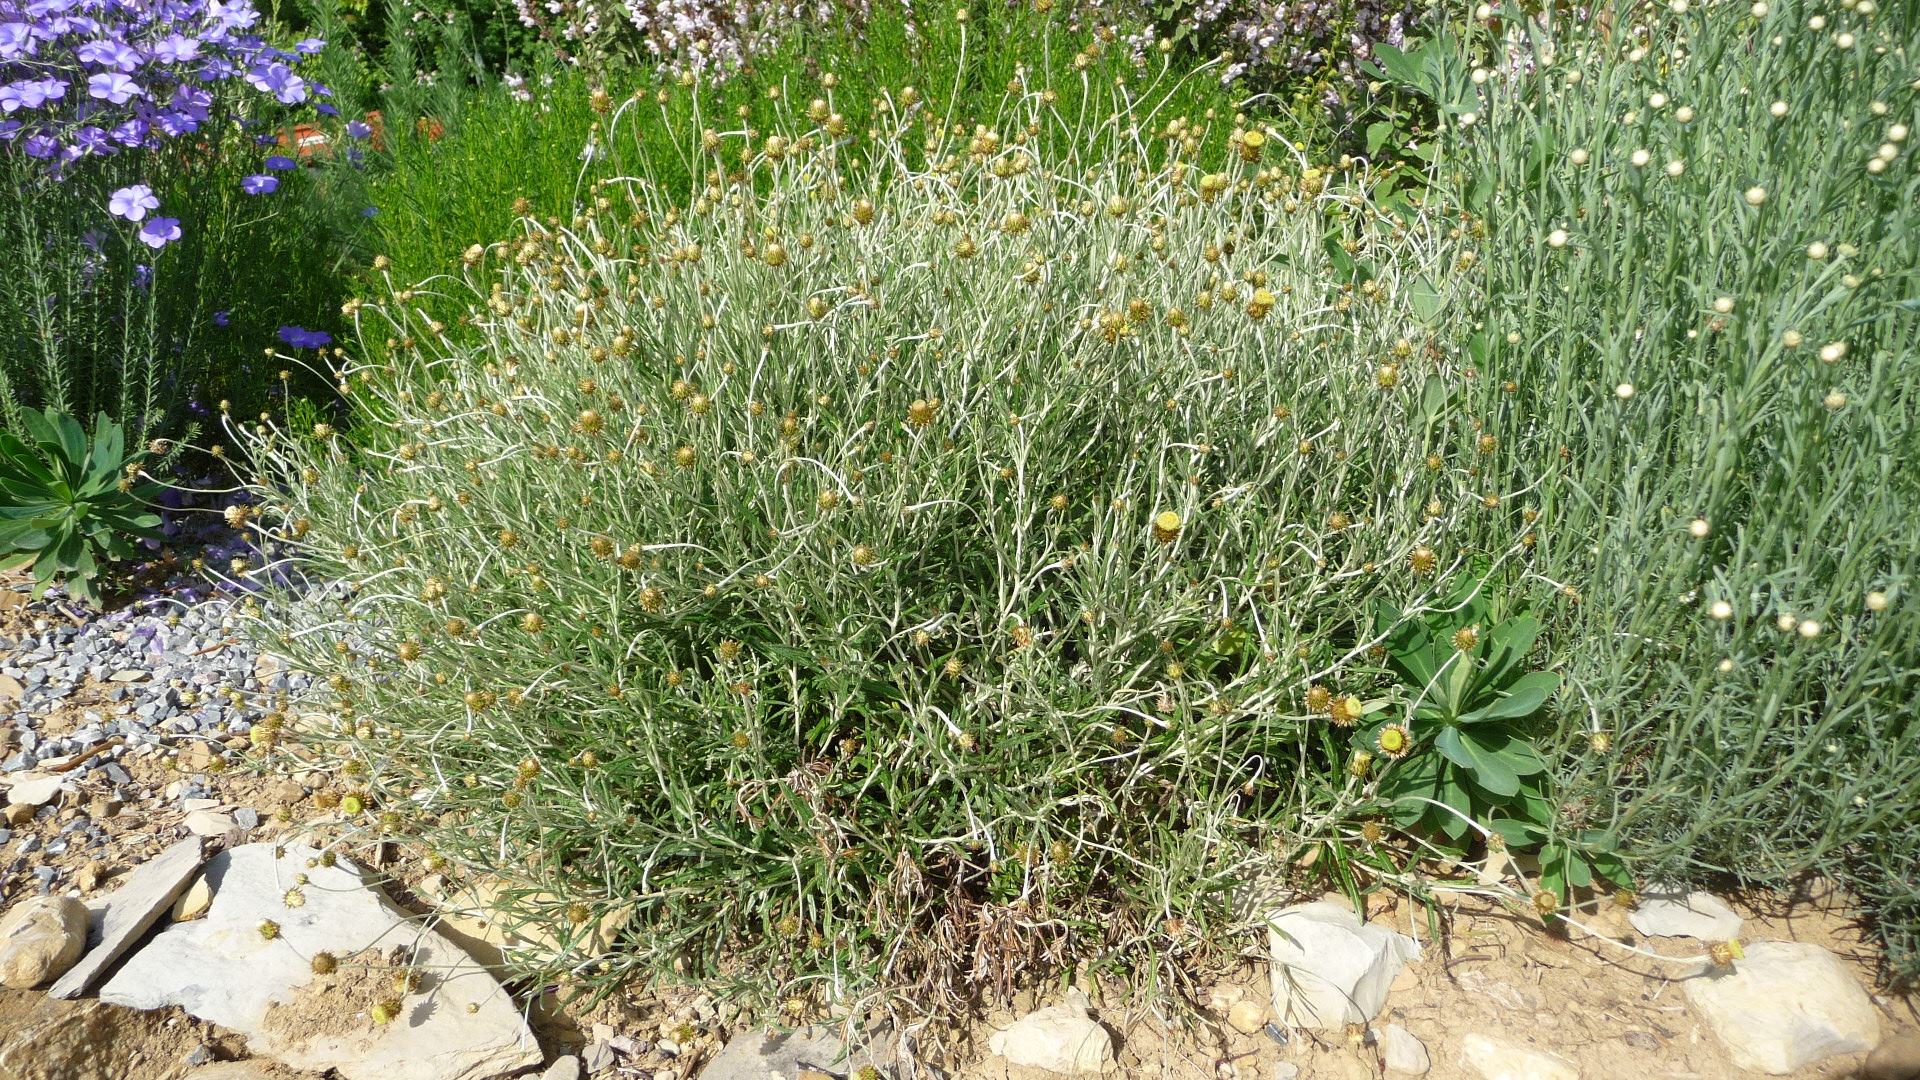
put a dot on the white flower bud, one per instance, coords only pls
(1721, 610)
(1698, 528)
(1785, 622)
(1777, 110)
(1676, 167)
(1876, 601)
(1756, 195)
(1809, 629)
(1833, 351)
(1623, 391)
(1557, 238)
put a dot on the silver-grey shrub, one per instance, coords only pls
(896, 574)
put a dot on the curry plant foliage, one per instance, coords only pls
(890, 538)
(68, 504)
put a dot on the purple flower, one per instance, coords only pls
(40, 146)
(325, 109)
(30, 94)
(301, 338)
(16, 40)
(194, 101)
(309, 46)
(222, 318)
(113, 87)
(175, 122)
(92, 140)
(280, 163)
(260, 184)
(133, 203)
(176, 49)
(109, 54)
(160, 232)
(280, 81)
(237, 15)
(370, 211)
(358, 129)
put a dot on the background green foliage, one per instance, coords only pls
(93, 320)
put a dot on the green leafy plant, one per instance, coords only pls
(1466, 750)
(67, 504)
(1464, 747)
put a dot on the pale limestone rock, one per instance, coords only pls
(40, 938)
(767, 1054)
(1785, 1005)
(1329, 968)
(1492, 1059)
(194, 902)
(34, 790)
(1062, 1039)
(1402, 1051)
(1247, 1016)
(1695, 915)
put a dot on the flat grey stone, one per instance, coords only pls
(767, 1054)
(122, 916)
(460, 1025)
(1695, 915)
